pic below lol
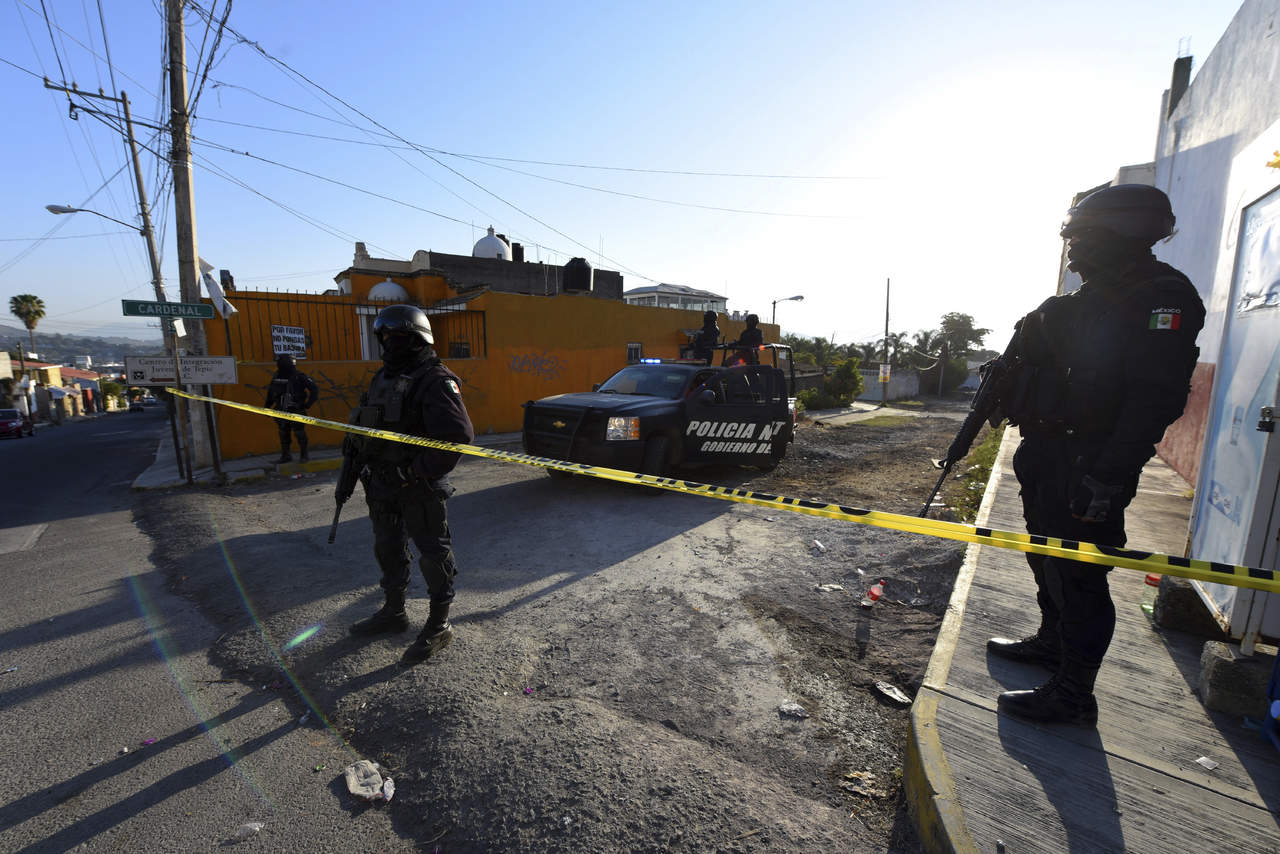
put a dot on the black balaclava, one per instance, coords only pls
(402, 350)
(1097, 253)
(285, 366)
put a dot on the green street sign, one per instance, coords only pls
(145, 308)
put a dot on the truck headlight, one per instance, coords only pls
(622, 429)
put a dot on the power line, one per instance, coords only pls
(283, 65)
(106, 48)
(561, 164)
(87, 48)
(654, 198)
(24, 70)
(217, 40)
(482, 162)
(24, 253)
(320, 177)
(63, 237)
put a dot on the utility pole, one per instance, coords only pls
(176, 422)
(184, 208)
(884, 378)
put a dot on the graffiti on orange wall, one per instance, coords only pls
(544, 365)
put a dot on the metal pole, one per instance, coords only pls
(184, 209)
(942, 367)
(884, 387)
(157, 282)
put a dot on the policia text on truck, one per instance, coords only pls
(656, 415)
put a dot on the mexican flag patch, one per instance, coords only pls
(1165, 318)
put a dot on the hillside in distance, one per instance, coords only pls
(56, 347)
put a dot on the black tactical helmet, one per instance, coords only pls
(404, 318)
(286, 363)
(709, 315)
(752, 319)
(1132, 211)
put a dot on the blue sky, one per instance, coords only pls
(949, 138)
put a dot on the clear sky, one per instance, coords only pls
(940, 143)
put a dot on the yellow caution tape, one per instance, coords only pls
(1200, 570)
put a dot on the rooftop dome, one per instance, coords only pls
(491, 246)
(388, 291)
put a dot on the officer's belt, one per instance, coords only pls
(1184, 567)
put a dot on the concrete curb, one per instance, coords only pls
(927, 778)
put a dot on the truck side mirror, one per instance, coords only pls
(595, 386)
(706, 396)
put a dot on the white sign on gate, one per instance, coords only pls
(289, 341)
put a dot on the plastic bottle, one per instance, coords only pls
(1150, 587)
(873, 595)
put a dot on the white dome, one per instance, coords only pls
(388, 291)
(491, 246)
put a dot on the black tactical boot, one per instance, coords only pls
(302, 449)
(1043, 649)
(387, 619)
(1067, 698)
(435, 636)
(285, 456)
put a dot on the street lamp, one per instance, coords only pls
(784, 299)
(63, 209)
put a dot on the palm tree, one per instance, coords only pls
(28, 308)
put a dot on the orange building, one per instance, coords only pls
(506, 346)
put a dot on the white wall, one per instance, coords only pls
(1231, 100)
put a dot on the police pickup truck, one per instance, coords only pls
(658, 414)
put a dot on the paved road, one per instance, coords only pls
(117, 732)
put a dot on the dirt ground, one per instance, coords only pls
(628, 668)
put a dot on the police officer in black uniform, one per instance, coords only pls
(406, 485)
(291, 390)
(1098, 375)
(750, 341)
(707, 338)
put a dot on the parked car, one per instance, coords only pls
(660, 414)
(136, 406)
(14, 423)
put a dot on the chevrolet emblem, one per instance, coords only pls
(559, 425)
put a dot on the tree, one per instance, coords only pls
(899, 350)
(868, 352)
(28, 308)
(928, 341)
(959, 333)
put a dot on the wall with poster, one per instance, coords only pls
(1236, 494)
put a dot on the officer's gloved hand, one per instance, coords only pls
(1091, 500)
(406, 475)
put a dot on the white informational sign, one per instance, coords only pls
(289, 341)
(884, 373)
(196, 370)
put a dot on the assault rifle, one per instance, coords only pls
(985, 408)
(347, 477)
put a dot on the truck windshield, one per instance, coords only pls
(666, 381)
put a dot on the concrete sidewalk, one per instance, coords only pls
(1159, 774)
(164, 472)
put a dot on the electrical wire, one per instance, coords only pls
(560, 164)
(299, 75)
(40, 241)
(483, 162)
(82, 44)
(217, 40)
(63, 237)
